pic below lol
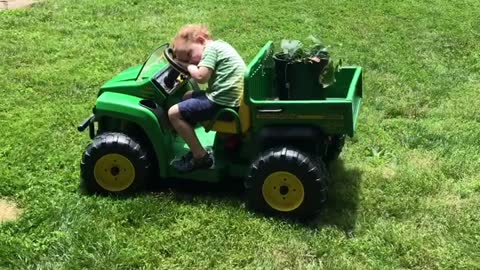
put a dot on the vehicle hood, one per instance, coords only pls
(129, 74)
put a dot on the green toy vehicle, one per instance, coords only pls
(279, 147)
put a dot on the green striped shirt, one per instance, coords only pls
(225, 86)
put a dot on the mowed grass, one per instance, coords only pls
(404, 194)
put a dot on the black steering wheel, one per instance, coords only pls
(171, 60)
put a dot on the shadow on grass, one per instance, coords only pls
(341, 207)
(229, 191)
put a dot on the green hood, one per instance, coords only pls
(129, 74)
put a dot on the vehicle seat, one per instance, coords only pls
(239, 125)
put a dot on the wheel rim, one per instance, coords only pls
(283, 191)
(114, 172)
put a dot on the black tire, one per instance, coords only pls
(123, 166)
(334, 148)
(288, 182)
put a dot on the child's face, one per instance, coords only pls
(189, 51)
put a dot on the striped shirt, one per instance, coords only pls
(225, 86)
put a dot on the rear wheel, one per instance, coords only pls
(114, 163)
(286, 181)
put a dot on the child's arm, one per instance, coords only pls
(200, 74)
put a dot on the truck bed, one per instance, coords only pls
(337, 114)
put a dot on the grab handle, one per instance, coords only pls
(271, 110)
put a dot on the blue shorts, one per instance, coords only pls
(198, 108)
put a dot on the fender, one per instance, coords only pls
(308, 138)
(140, 112)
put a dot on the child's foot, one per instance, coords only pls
(188, 163)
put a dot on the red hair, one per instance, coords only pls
(191, 32)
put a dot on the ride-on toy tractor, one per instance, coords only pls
(278, 147)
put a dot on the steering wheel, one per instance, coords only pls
(171, 60)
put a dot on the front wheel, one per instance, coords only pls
(114, 163)
(286, 181)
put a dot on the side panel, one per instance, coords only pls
(121, 106)
(332, 117)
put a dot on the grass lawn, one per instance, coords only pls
(405, 192)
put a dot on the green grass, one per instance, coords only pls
(405, 194)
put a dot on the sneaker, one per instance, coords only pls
(188, 163)
(187, 156)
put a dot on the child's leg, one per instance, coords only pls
(186, 132)
(183, 116)
(187, 95)
(184, 129)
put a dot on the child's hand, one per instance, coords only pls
(200, 74)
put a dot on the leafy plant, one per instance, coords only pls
(318, 49)
(327, 76)
(294, 51)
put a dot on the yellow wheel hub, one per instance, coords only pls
(283, 191)
(114, 172)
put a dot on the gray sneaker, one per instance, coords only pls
(188, 163)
